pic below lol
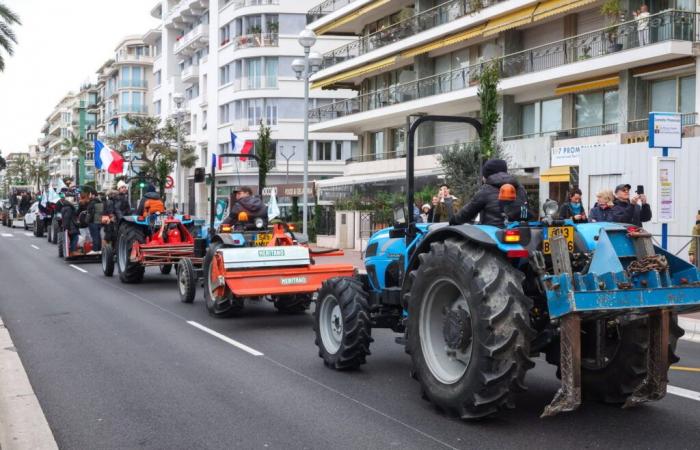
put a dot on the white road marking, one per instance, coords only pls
(29, 234)
(685, 393)
(226, 339)
(6, 234)
(35, 247)
(78, 268)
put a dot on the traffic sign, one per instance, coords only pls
(169, 182)
(665, 130)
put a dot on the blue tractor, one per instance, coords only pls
(476, 303)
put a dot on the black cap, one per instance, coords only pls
(620, 187)
(493, 166)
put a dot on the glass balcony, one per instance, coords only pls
(256, 40)
(662, 27)
(325, 8)
(128, 108)
(141, 84)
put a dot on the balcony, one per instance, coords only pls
(687, 119)
(190, 74)
(324, 9)
(185, 11)
(423, 21)
(666, 26)
(243, 3)
(189, 43)
(132, 58)
(256, 40)
(247, 84)
(127, 108)
(130, 84)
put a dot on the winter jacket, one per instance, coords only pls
(120, 206)
(147, 196)
(252, 205)
(626, 212)
(599, 214)
(69, 218)
(567, 212)
(441, 212)
(95, 210)
(694, 242)
(486, 203)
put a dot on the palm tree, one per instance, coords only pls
(38, 173)
(18, 170)
(7, 36)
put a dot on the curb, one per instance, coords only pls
(691, 327)
(22, 421)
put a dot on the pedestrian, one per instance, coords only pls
(486, 203)
(426, 215)
(634, 211)
(602, 210)
(694, 244)
(642, 16)
(95, 210)
(573, 209)
(448, 205)
(69, 224)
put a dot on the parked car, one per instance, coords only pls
(31, 216)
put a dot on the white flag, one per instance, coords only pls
(273, 210)
(60, 184)
(53, 196)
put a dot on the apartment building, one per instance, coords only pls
(231, 60)
(60, 125)
(576, 85)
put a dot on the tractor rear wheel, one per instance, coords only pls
(186, 280)
(39, 228)
(165, 269)
(219, 300)
(292, 304)
(468, 330)
(108, 260)
(55, 230)
(342, 324)
(129, 272)
(624, 364)
(60, 245)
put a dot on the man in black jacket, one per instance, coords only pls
(121, 206)
(485, 202)
(629, 211)
(248, 203)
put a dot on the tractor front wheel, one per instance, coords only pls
(342, 324)
(56, 231)
(60, 243)
(292, 304)
(108, 260)
(129, 272)
(468, 329)
(186, 280)
(218, 297)
(39, 228)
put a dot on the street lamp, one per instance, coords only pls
(304, 69)
(287, 158)
(178, 99)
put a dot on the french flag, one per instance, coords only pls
(238, 145)
(107, 159)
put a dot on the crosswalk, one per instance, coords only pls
(6, 234)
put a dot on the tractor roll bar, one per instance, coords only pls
(212, 192)
(410, 156)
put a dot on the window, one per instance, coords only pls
(271, 113)
(674, 94)
(254, 72)
(224, 35)
(377, 144)
(527, 119)
(551, 115)
(271, 72)
(596, 108)
(224, 74)
(254, 112)
(156, 108)
(540, 117)
(204, 119)
(157, 78)
(224, 113)
(324, 150)
(338, 151)
(398, 138)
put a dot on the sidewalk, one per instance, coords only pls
(689, 322)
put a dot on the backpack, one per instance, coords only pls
(153, 206)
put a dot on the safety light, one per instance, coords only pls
(142, 184)
(507, 193)
(242, 216)
(511, 236)
(291, 227)
(259, 223)
(225, 228)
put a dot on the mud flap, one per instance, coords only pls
(654, 385)
(568, 397)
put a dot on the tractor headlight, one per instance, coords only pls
(550, 208)
(259, 223)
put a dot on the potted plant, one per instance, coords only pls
(254, 30)
(612, 10)
(273, 27)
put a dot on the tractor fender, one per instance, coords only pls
(466, 232)
(229, 240)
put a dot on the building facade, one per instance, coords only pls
(573, 81)
(231, 60)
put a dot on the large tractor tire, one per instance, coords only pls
(55, 231)
(342, 324)
(60, 243)
(107, 260)
(624, 366)
(129, 272)
(39, 228)
(220, 301)
(292, 304)
(186, 280)
(468, 330)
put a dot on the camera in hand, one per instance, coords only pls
(640, 189)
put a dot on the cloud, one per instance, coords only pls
(61, 45)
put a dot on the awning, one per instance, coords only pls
(370, 179)
(382, 63)
(550, 8)
(351, 16)
(449, 40)
(558, 174)
(588, 85)
(512, 20)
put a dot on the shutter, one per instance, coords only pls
(544, 34)
(449, 133)
(589, 20)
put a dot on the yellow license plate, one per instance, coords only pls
(567, 232)
(262, 239)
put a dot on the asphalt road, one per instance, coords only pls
(123, 366)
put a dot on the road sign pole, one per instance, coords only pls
(664, 226)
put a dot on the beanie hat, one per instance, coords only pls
(121, 184)
(493, 166)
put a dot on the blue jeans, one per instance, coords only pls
(73, 241)
(95, 234)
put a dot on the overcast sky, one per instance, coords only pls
(61, 44)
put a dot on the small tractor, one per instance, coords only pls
(254, 260)
(15, 214)
(475, 303)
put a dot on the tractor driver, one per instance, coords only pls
(248, 203)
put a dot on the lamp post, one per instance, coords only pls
(287, 158)
(179, 99)
(304, 69)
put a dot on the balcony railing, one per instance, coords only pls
(571, 133)
(643, 124)
(666, 26)
(133, 84)
(243, 3)
(195, 38)
(325, 8)
(245, 84)
(401, 152)
(133, 109)
(256, 40)
(425, 20)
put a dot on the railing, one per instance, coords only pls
(325, 8)
(264, 82)
(129, 108)
(256, 40)
(244, 3)
(401, 152)
(424, 20)
(132, 84)
(666, 26)
(643, 124)
(201, 31)
(571, 133)
(130, 57)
